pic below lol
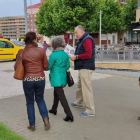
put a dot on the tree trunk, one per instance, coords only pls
(107, 40)
(73, 39)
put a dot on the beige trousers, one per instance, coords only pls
(84, 90)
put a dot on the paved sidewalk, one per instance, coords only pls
(117, 102)
(135, 74)
(10, 87)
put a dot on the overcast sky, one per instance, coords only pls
(14, 7)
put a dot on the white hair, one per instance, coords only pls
(81, 27)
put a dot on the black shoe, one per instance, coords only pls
(53, 112)
(68, 118)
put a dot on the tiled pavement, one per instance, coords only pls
(117, 102)
(10, 87)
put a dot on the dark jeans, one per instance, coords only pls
(35, 90)
(59, 95)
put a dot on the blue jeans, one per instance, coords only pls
(35, 90)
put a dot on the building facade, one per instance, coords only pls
(32, 11)
(134, 36)
(12, 27)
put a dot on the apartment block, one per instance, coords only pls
(12, 27)
(32, 11)
(138, 12)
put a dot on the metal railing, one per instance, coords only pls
(131, 56)
(131, 39)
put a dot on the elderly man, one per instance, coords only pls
(84, 62)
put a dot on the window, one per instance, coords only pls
(34, 15)
(10, 45)
(71, 36)
(4, 44)
(113, 39)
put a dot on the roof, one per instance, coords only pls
(34, 6)
(2, 39)
(137, 29)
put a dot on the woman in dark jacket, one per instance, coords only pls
(35, 62)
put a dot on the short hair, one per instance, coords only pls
(30, 36)
(57, 41)
(81, 28)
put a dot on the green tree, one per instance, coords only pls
(58, 16)
(129, 13)
(93, 24)
(44, 19)
(111, 17)
(71, 13)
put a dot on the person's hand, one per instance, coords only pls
(139, 83)
(73, 57)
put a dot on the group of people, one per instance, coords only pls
(35, 62)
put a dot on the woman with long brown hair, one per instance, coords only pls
(35, 62)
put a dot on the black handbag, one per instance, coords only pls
(70, 80)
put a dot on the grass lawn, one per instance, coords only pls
(7, 134)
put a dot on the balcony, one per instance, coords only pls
(13, 22)
(21, 34)
(14, 37)
(21, 30)
(14, 30)
(10, 34)
(9, 27)
(6, 36)
(4, 31)
(22, 27)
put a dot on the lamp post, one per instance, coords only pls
(25, 13)
(138, 4)
(100, 27)
(32, 16)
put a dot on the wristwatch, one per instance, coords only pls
(76, 56)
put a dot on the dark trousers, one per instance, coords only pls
(59, 95)
(35, 90)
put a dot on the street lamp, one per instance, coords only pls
(31, 16)
(25, 13)
(100, 27)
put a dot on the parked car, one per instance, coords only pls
(19, 43)
(8, 49)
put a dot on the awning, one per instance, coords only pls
(137, 29)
